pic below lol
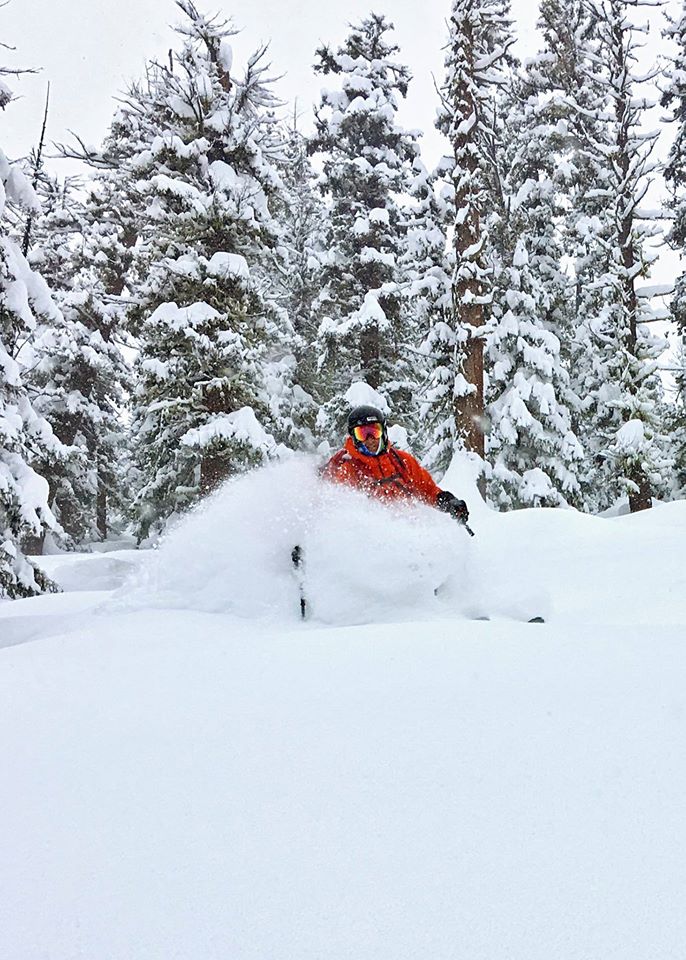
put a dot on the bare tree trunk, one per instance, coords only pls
(215, 467)
(642, 500)
(214, 470)
(68, 516)
(467, 305)
(33, 546)
(369, 355)
(469, 409)
(101, 507)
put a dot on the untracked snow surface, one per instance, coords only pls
(188, 771)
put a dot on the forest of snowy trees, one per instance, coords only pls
(204, 297)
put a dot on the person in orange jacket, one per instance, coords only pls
(371, 463)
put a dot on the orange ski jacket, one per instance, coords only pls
(392, 475)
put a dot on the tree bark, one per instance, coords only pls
(33, 546)
(469, 409)
(369, 355)
(214, 470)
(467, 305)
(642, 500)
(215, 465)
(101, 508)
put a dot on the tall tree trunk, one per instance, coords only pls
(469, 409)
(215, 465)
(214, 470)
(101, 507)
(369, 355)
(33, 546)
(642, 500)
(467, 292)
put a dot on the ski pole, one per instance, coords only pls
(297, 558)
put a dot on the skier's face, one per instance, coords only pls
(372, 444)
(369, 435)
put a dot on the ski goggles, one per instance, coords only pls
(367, 431)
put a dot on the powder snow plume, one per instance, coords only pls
(364, 561)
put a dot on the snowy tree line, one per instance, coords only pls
(204, 299)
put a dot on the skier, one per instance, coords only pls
(371, 463)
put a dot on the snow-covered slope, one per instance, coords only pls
(190, 772)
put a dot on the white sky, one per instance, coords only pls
(88, 49)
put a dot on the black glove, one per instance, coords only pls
(449, 503)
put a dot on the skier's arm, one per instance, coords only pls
(427, 489)
(449, 503)
(419, 480)
(339, 469)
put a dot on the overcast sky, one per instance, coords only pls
(89, 49)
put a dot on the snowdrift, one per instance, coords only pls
(224, 781)
(366, 562)
(363, 561)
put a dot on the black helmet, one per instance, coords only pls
(365, 414)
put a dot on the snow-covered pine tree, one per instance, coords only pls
(570, 109)
(211, 334)
(426, 265)
(50, 237)
(531, 447)
(79, 373)
(480, 36)
(18, 220)
(679, 424)
(367, 160)
(85, 247)
(674, 98)
(588, 75)
(624, 389)
(25, 437)
(301, 217)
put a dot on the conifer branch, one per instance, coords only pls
(38, 166)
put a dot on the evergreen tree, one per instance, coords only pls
(427, 266)
(102, 281)
(479, 40)
(25, 437)
(367, 161)
(215, 347)
(79, 374)
(301, 217)
(84, 244)
(625, 388)
(678, 423)
(531, 447)
(674, 97)
(588, 75)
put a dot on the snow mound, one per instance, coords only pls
(367, 562)
(74, 572)
(363, 561)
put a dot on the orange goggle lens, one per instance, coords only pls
(367, 431)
